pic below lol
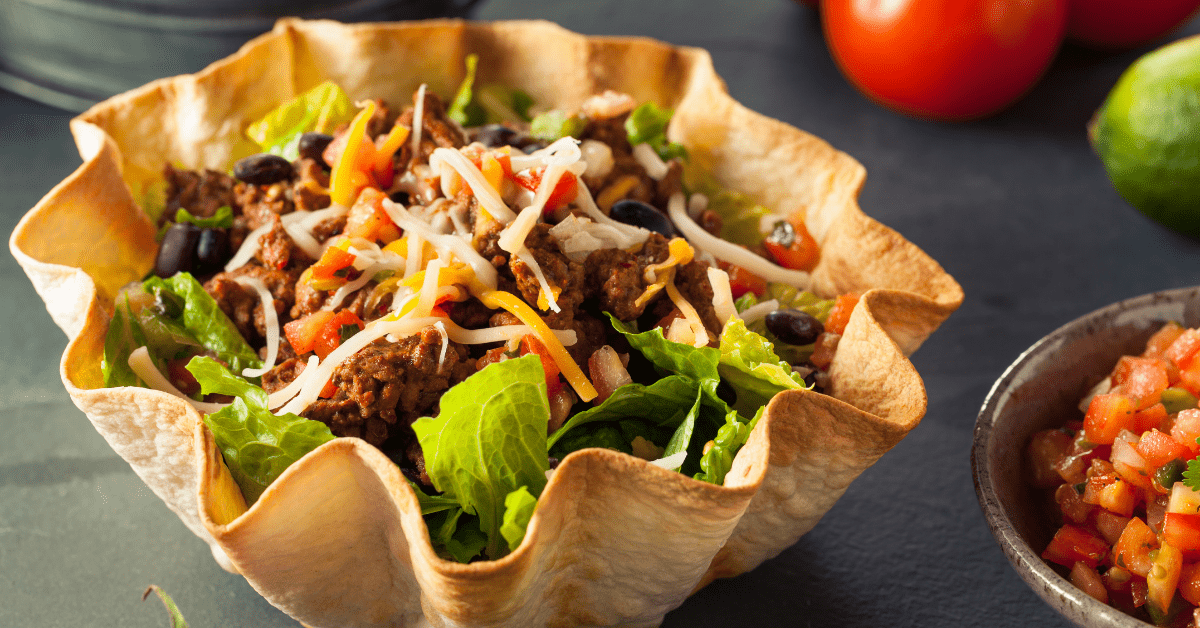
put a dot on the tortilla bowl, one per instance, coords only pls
(338, 539)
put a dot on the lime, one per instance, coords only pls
(1147, 133)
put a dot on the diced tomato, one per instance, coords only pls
(792, 245)
(491, 357)
(1186, 429)
(332, 260)
(1159, 449)
(1148, 418)
(1164, 576)
(1107, 415)
(1183, 532)
(330, 337)
(368, 220)
(1072, 544)
(1118, 497)
(531, 344)
(1117, 579)
(182, 378)
(1161, 340)
(328, 391)
(1142, 379)
(302, 333)
(1189, 377)
(742, 281)
(1189, 583)
(1046, 449)
(564, 191)
(1132, 550)
(1071, 503)
(839, 316)
(1183, 350)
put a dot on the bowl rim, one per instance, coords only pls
(1057, 591)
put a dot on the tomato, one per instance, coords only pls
(792, 246)
(564, 191)
(1116, 24)
(531, 344)
(332, 332)
(944, 59)
(742, 281)
(1106, 416)
(332, 260)
(1182, 531)
(367, 219)
(839, 316)
(1072, 544)
(1143, 379)
(1132, 550)
(319, 332)
(1164, 576)
(1189, 583)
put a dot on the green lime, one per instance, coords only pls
(1147, 133)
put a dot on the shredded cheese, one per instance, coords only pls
(547, 294)
(441, 327)
(418, 122)
(427, 296)
(633, 236)
(270, 321)
(344, 188)
(503, 333)
(144, 368)
(489, 198)
(689, 313)
(661, 274)
(485, 273)
(281, 396)
(757, 312)
(648, 159)
(367, 275)
(570, 370)
(722, 295)
(729, 252)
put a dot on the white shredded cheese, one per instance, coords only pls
(489, 198)
(564, 151)
(654, 165)
(427, 296)
(758, 311)
(632, 235)
(729, 252)
(525, 256)
(441, 327)
(144, 368)
(722, 295)
(249, 247)
(304, 220)
(281, 396)
(416, 253)
(459, 246)
(367, 274)
(418, 122)
(270, 321)
(689, 312)
(304, 240)
(697, 203)
(502, 333)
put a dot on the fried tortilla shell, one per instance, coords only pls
(338, 540)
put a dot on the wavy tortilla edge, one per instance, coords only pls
(338, 539)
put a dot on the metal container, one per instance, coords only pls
(74, 53)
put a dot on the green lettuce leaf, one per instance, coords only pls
(740, 214)
(748, 362)
(492, 103)
(320, 109)
(489, 440)
(462, 109)
(664, 399)
(718, 460)
(432, 503)
(257, 444)
(697, 363)
(123, 337)
(456, 534)
(188, 309)
(648, 125)
(518, 510)
(173, 614)
(681, 440)
(555, 124)
(223, 218)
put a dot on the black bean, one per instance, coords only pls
(313, 145)
(212, 251)
(794, 327)
(177, 253)
(262, 169)
(639, 214)
(496, 135)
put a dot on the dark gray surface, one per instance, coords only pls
(1017, 208)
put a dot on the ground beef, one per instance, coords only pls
(692, 281)
(262, 203)
(201, 193)
(469, 314)
(387, 383)
(436, 131)
(243, 306)
(625, 166)
(669, 185)
(381, 121)
(285, 372)
(615, 278)
(275, 247)
(559, 271)
(310, 185)
(328, 228)
(486, 238)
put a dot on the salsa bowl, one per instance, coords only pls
(1039, 391)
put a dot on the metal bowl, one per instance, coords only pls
(74, 53)
(1042, 390)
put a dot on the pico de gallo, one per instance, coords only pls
(472, 282)
(1126, 483)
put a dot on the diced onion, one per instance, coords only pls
(144, 368)
(722, 295)
(1123, 451)
(281, 396)
(598, 157)
(729, 252)
(654, 165)
(270, 321)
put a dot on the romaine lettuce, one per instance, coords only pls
(518, 510)
(257, 444)
(320, 109)
(749, 364)
(187, 308)
(488, 440)
(648, 125)
(492, 103)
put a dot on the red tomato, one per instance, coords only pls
(944, 59)
(792, 246)
(302, 332)
(564, 191)
(839, 316)
(1182, 531)
(1073, 544)
(1106, 416)
(531, 344)
(1115, 24)
(330, 337)
(742, 281)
